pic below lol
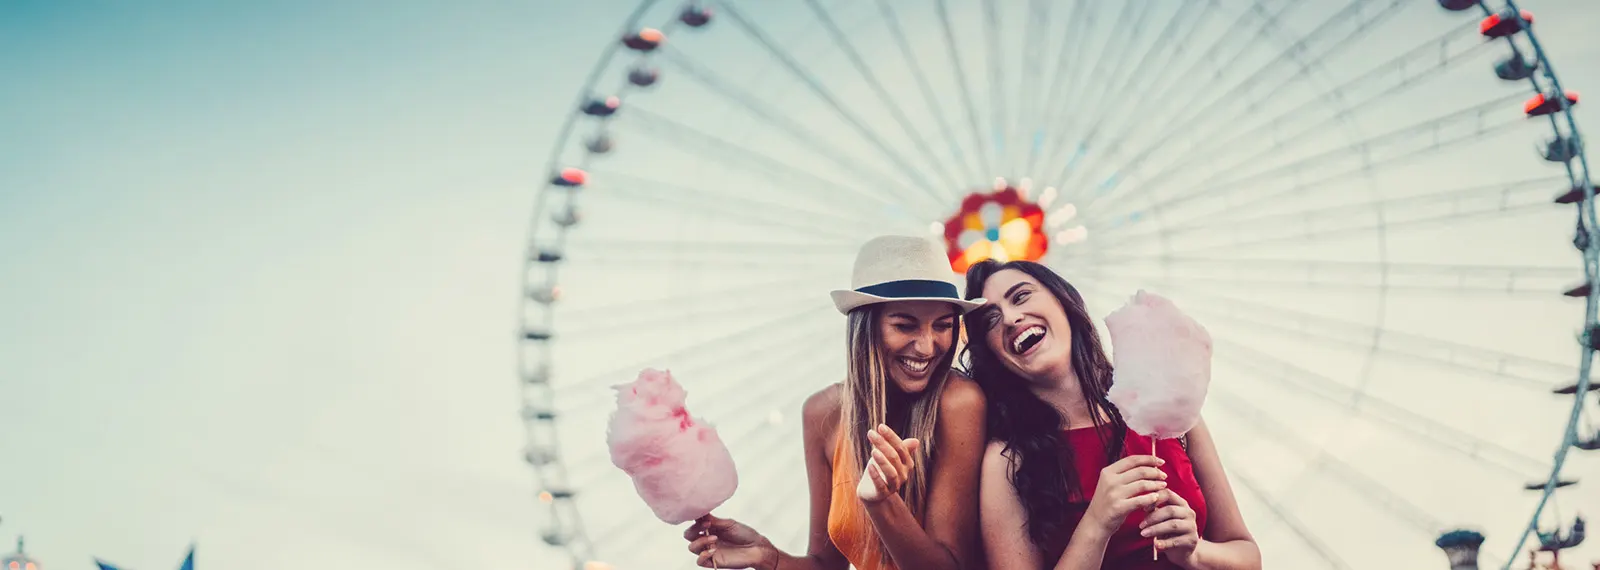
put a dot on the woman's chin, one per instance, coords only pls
(911, 386)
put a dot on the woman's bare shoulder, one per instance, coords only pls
(820, 413)
(962, 396)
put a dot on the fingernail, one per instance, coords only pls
(1144, 533)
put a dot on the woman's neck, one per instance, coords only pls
(897, 407)
(1066, 395)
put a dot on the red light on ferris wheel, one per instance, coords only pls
(571, 177)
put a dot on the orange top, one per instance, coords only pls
(848, 525)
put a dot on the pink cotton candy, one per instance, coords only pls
(679, 466)
(1163, 366)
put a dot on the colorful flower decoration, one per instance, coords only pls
(1002, 226)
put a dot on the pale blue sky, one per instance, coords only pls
(262, 263)
(261, 270)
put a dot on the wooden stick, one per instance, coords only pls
(1155, 553)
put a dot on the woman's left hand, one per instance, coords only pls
(891, 464)
(1173, 526)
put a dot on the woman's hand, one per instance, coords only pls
(1174, 528)
(890, 467)
(1128, 484)
(727, 543)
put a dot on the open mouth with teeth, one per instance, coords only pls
(1024, 342)
(916, 367)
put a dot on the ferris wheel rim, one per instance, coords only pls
(612, 51)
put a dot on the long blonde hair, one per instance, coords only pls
(863, 405)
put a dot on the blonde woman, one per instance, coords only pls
(915, 426)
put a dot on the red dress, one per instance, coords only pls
(1126, 550)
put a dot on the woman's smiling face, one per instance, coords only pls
(916, 337)
(1026, 326)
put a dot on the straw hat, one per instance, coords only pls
(901, 268)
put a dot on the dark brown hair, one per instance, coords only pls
(1045, 475)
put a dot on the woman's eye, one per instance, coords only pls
(906, 328)
(1023, 297)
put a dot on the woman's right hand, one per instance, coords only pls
(1126, 485)
(727, 543)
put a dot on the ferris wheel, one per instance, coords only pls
(1380, 209)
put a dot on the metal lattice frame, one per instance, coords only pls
(1579, 178)
(565, 529)
(919, 178)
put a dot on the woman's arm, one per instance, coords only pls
(820, 418)
(1133, 482)
(1005, 537)
(947, 539)
(726, 543)
(1225, 543)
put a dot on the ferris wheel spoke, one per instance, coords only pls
(1114, 81)
(1037, 19)
(954, 54)
(751, 290)
(842, 40)
(1209, 234)
(648, 256)
(1310, 539)
(1364, 485)
(1339, 31)
(1355, 96)
(1262, 20)
(1048, 107)
(708, 316)
(784, 360)
(734, 265)
(721, 344)
(1084, 81)
(1209, 58)
(1115, 100)
(1489, 364)
(816, 87)
(635, 189)
(1426, 430)
(791, 499)
(594, 394)
(1288, 375)
(739, 442)
(1313, 273)
(782, 122)
(892, 20)
(743, 157)
(765, 476)
(997, 99)
(1236, 173)
(719, 248)
(1162, 70)
(1323, 168)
